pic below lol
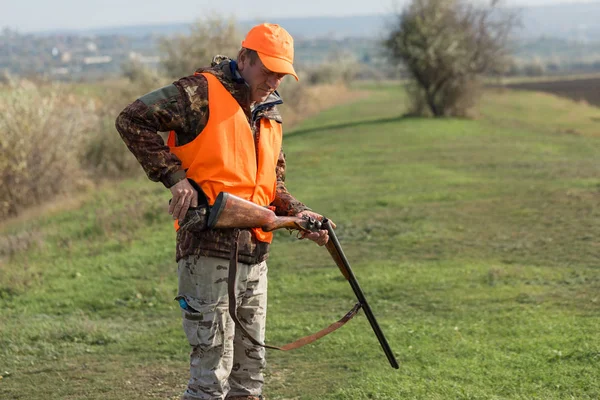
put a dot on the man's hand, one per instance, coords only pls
(184, 197)
(322, 237)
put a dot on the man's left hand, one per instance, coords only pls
(321, 237)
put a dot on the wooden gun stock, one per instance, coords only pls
(230, 211)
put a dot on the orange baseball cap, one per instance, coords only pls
(275, 47)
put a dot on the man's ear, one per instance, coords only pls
(242, 59)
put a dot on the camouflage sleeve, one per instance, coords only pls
(285, 204)
(165, 109)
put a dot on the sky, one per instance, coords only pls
(42, 15)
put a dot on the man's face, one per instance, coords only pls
(262, 81)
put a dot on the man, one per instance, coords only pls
(225, 135)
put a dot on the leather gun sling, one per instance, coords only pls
(232, 274)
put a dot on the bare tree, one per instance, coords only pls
(208, 36)
(446, 46)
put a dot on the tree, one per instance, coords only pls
(446, 46)
(208, 37)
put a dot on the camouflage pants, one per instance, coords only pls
(223, 362)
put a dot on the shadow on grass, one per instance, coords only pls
(353, 124)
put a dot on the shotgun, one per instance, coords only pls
(229, 211)
(335, 250)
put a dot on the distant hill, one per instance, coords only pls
(307, 28)
(548, 48)
(579, 22)
(552, 39)
(565, 21)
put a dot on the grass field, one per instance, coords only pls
(476, 242)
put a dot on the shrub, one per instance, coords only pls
(42, 132)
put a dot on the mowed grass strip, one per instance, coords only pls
(476, 243)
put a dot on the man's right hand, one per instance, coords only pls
(184, 197)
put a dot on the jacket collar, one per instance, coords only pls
(225, 69)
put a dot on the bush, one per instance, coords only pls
(446, 46)
(535, 68)
(141, 76)
(301, 100)
(459, 99)
(207, 37)
(42, 132)
(104, 154)
(5, 78)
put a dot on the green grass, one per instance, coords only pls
(476, 242)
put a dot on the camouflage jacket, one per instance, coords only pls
(183, 108)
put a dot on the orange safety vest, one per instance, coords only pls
(223, 157)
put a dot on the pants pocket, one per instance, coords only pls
(205, 327)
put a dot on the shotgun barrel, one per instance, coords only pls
(335, 249)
